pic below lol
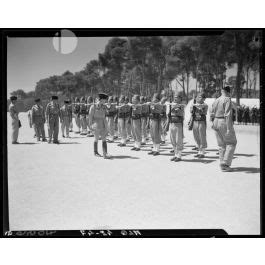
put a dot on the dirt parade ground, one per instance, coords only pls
(56, 187)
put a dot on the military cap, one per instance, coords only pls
(37, 100)
(102, 96)
(227, 89)
(13, 98)
(54, 97)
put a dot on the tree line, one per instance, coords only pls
(145, 65)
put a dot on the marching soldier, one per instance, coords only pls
(144, 117)
(76, 112)
(38, 120)
(83, 118)
(53, 115)
(66, 115)
(89, 104)
(163, 120)
(98, 123)
(199, 109)
(175, 112)
(156, 110)
(136, 122)
(224, 130)
(13, 111)
(111, 111)
(123, 117)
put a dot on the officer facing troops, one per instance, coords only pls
(224, 130)
(199, 110)
(98, 123)
(144, 119)
(13, 111)
(38, 120)
(53, 115)
(66, 115)
(89, 103)
(76, 112)
(175, 113)
(156, 110)
(83, 118)
(111, 112)
(136, 122)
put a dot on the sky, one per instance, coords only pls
(31, 59)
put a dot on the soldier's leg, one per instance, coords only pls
(196, 135)
(63, 127)
(231, 143)
(220, 140)
(36, 129)
(43, 132)
(77, 122)
(51, 129)
(138, 133)
(67, 127)
(203, 140)
(143, 129)
(96, 138)
(112, 128)
(152, 136)
(15, 128)
(179, 138)
(56, 130)
(172, 136)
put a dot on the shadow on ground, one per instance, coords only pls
(69, 143)
(124, 157)
(247, 155)
(204, 161)
(247, 169)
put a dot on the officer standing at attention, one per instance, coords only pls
(224, 130)
(38, 120)
(13, 111)
(66, 115)
(98, 123)
(53, 115)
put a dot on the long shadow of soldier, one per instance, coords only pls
(248, 170)
(124, 157)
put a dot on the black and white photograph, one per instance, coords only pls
(133, 130)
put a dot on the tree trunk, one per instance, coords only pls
(247, 83)
(188, 78)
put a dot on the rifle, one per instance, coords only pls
(191, 121)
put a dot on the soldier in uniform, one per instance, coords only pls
(83, 116)
(76, 112)
(123, 117)
(136, 109)
(13, 111)
(116, 131)
(98, 123)
(163, 120)
(30, 122)
(129, 121)
(53, 115)
(199, 109)
(144, 117)
(38, 120)
(224, 130)
(66, 115)
(88, 105)
(111, 112)
(70, 107)
(175, 113)
(155, 110)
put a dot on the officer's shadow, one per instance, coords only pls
(248, 170)
(68, 143)
(123, 157)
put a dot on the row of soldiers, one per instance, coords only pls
(139, 118)
(247, 115)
